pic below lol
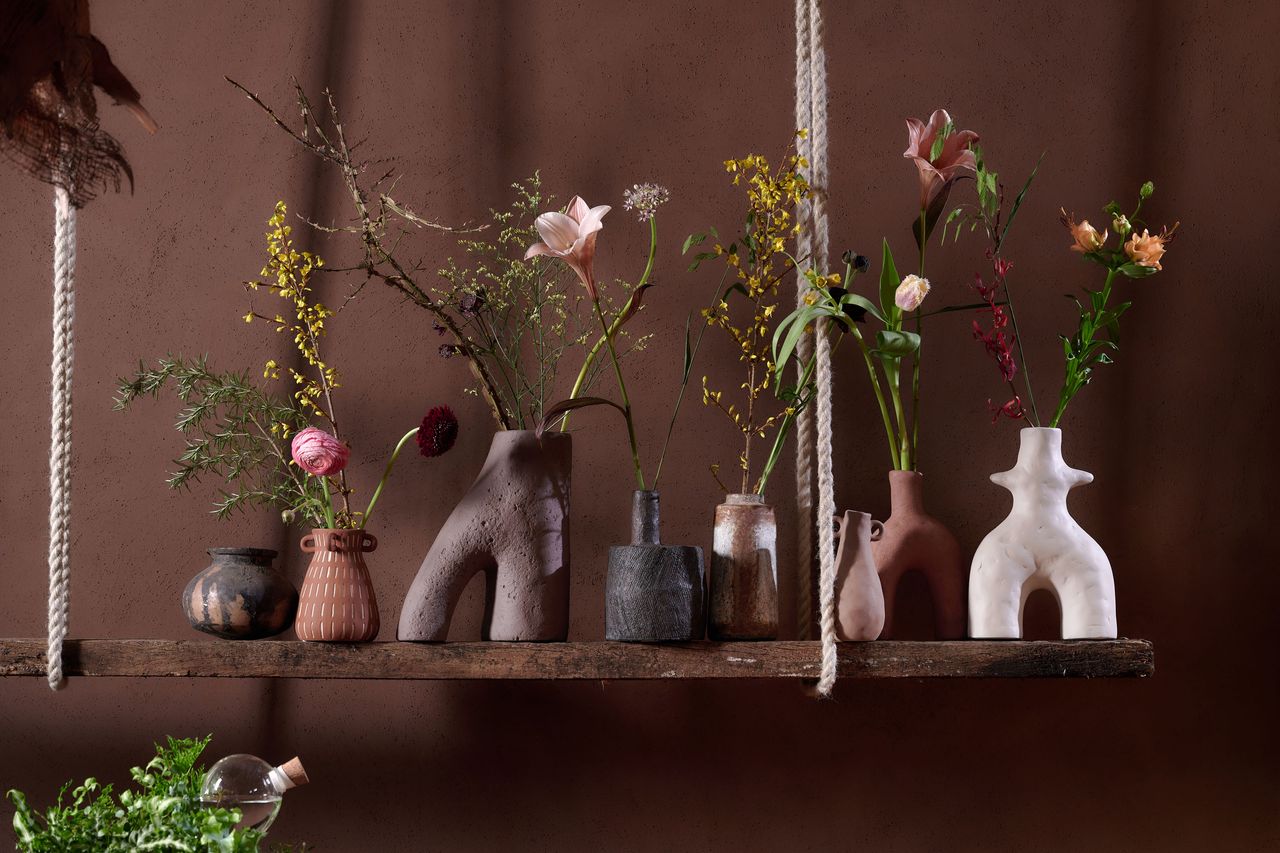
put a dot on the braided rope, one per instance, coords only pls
(816, 83)
(64, 309)
(804, 346)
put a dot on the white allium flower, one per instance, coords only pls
(645, 199)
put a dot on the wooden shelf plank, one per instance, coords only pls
(582, 661)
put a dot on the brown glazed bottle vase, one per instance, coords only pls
(744, 571)
(513, 526)
(913, 540)
(337, 603)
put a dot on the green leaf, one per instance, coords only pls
(1017, 202)
(889, 282)
(862, 302)
(692, 240)
(896, 344)
(573, 403)
(688, 348)
(1133, 270)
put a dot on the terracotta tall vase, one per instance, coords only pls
(913, 540)
(859, 598)
(654, 593)
(512, 525)
(744, 570)
(337, 603)
(1040, 546)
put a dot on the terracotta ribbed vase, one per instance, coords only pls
(1040, 546)
(859, 597)
(513, 526)
(337, 603)
(915, 541)
(744, 571)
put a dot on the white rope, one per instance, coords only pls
(811, 86)
(64, 309)
(804, 346)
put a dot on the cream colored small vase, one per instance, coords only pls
(1040, 546)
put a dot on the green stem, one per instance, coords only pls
(1068, 392)
(328, 502)
(386, 475)
(893, 375)
(684, 383)
(915, 360)
(875, 385)
(1022, 356)
(622, 392)
(612, 330)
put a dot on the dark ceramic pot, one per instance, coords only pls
(240, 596)
(654, 592)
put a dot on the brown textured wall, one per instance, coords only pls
(467, 97)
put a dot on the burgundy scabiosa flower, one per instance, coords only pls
(438, 432)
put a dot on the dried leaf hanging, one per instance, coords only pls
(49, 64)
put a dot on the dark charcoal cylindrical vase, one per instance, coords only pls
(240, 596)
(512, 525)
(859, 597)
(744, 571)
(337, 604)
(915, 541)
(654, 592)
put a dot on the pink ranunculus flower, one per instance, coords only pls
(319, 453)
(911, 292)
(571, 236)
(937, 174)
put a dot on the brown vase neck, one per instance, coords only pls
(906, 493)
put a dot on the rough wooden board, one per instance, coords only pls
(583, 661)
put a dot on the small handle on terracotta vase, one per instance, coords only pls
(368, 542)
(837, 521)
(308, 544)
(877, 530)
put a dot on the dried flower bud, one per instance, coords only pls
(449, 350)
(1148, 189)
(471, 303)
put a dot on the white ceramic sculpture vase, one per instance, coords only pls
(1040, 546)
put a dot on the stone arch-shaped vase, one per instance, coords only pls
(512, 525)
(1040, 546)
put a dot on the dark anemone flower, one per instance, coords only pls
(438, 432)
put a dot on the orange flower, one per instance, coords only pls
(1147, 249)
(1086, 236)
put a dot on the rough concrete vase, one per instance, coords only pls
(337, 603)
(859, 598)
(913, 540)
(239, 596)
(744, 570)
(654, 593)
(513, 525)
(1040, 546)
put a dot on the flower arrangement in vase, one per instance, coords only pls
(270, 451)
(912, 540)
(744, 570)
(1039, 545)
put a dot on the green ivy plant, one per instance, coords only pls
(163, 813)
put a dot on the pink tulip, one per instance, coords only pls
(571, 236)
(319, 453)
(936, 175)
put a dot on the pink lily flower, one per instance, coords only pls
(571, 236)
(937, 175)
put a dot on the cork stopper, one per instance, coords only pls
(291, 774)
